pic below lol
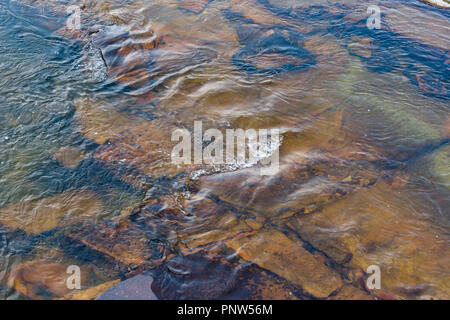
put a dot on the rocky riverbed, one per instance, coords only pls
(87, 173)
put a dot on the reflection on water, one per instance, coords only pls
(86, 171)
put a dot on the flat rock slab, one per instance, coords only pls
(212, 275)
(47, 279)
(122, 240)
(196, 6)
(374, 227)
(352, 293)
(41, 215)
(272, 250)
(136, 288)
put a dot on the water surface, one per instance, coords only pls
(86, 173)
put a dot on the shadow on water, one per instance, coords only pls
(390, 50)
(42, 73)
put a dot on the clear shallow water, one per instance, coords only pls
(87, 177)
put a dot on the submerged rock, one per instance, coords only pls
(196, 6)
(349, 292)
(273, 54)
(70, 157)
(253, 11)
(420, 23)
(192, 224)
(228, 226)
(397, 127)
(272, 250)
(35, 279)
(46, 279)
(146, 146)
(440, 166)
(121, 240)
(438, 3)
(40, 215)
(213, 274)
(298, 233)
(298, 190)
(361, 46)
(99, 120)
(143, 50)
(316, 160)
(379, 226)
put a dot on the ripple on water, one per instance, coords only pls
(86, 123)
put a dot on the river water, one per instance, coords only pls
(87, 176)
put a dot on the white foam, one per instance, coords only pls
(263, 151)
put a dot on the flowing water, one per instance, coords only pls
(87, 178)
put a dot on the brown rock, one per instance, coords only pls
(146, 146)
(429, 28)
(196, 6)
(98, 120)
(349, 292)
(361, 46)
(268, 287)
(225, 227)
(378, 226)
(135, 77)
(43, 279)
(274, 60)
(209, 275)
(273, 251)
(122, 240)
(69, 156)
(253, 10)
(37, 216)
(447, 128)
(400, 181)
(298, 187)
(192, 224)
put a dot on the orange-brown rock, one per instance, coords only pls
(121, 240)
(40, 215)
(69, 156)
(296, 189)
(44, 279)
(272, 250)
(263, 286)
(349, 292)
(195, 223)
(146, 146)
(212, 230)
(99, 120)
(196, 6)
(375, 227)
(361, 46)
(429, 28)
(253, 10)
